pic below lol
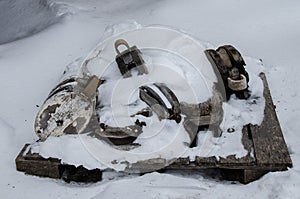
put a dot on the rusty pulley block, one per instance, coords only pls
(129, 59)
(69, 107)
(230, 65)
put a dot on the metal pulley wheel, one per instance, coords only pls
(229, 63)
(68, 108)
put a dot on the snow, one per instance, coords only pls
(30, 67)
(68, 149)
(18, 20)
(119, 98)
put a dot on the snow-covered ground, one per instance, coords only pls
(68, 29)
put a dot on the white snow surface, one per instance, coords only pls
(30, 67)
(23, 18)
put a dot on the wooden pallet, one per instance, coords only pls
(266, 141)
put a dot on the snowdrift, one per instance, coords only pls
(20, 19)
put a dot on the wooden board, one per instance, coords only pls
(266, 141)
(34, 164)
(269, 145)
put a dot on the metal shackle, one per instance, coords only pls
(237, 85)
(120, 42)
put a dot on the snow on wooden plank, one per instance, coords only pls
(34, 164)
(267, 151)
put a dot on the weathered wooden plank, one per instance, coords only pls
(269, 145)
(198, 163)
(253, 174)
(34, 164)
(242, 175)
